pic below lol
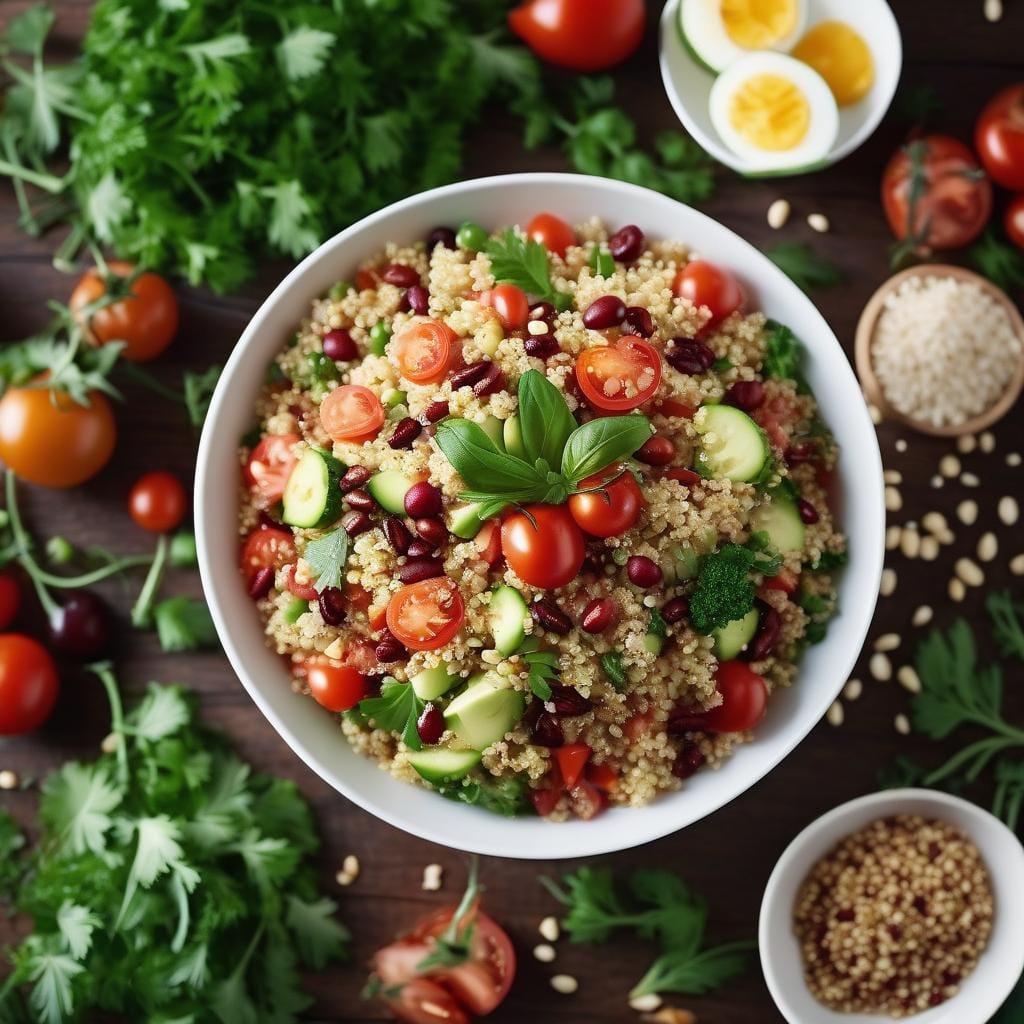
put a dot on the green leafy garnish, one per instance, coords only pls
(544, 419)
(1000, 262)
(326, 556)
(725, 588)
(184, 624)
(452, 946)
(198, 389)
(543, 667)
(524, 263)
(397, 709)
(614, 670)
(1007, 622)
(602, 263)
(783, 355)
(804, 266)
(602, 442)
(507, 796)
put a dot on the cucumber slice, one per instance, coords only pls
(393, 398)
(444, 765)
(494, 428)
(733, 446)
(485, 711)
(513, 437)
(311, 496)
(464, 522)
(294, 610)
(733, 637)
(687, 563)
(780, 519)
(432, 683)
(507, 612)
(388, 489)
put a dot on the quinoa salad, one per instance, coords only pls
(542, 516)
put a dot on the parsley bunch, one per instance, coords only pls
(170, 882)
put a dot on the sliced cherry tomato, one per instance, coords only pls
(422, 1001)
(488, 541)
(784, 580)
(425, 351)
(619, 377)
(304, 591)
(266, 548)
(10, 599)
(352, 413)
(744, 698)
(545, 800)
(572, 759)
(552, 232)
(335, 687)
(611, 510)
(377, 616)
(584, 35)
(543, 545)
(426, 615)
(157, 502)
(362, 656)
(358, 597)
(366, 280)
(510, 303)
(270, 465)
(145, 319)
(28, 684)
(687, 477)
(1014, 221)
(999, 137)
(706, 284)
(604, 776)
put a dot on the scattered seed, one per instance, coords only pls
(988, 547)
(888, 642)
(892, 537)
(993, 10)
(645, 1004)
(889, 581)
(970, 479)
(967, 512)
(492, 657)
(987, 442)
(432, 876)
(853, 689)
(935, 523)
(835, 714)
(1017, 565)
(969, 571)
(1009, 510)
(938, 481)
(929, 548)
(902, 724)
(818, 222)
(900, 445)
(1013, 459)
(9, 779)
(875, 413)
(949, 466)
(110, 743)
(778, 213)
(910, 543)
(566, 984)
(537, 327)
(544, 953)
(349, 870)
(908, 678)
(880, 667)
(966, 443)
(923, 615)
(892, 476)
(956, 589)
(893, 499)
(549, 929)
(671, 1015)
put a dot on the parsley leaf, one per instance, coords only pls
(524, 263)
(326, 556)
(1002, 264)
(804, 266)
(783, 355)
(397, 709)
(198, 389)
(184, 624)
(543, 667)
(1007, 622)
(320, 937)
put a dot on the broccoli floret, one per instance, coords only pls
(724, 588)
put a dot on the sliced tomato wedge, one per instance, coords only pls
(266, 548)
(545, 800)
(270, 465)
(426, 615)
(603, 775)
(588, 800)
(572, 759)
(637, 727)
(423, 1001)
(673, 407)
(425, 351)
(362, 656)
(306, 591)
(352, 413)
(488, 541)
(619, 377)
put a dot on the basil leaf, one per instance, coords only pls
(599, 443)
(474, 457)
(544, 418)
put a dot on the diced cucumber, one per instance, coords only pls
(464, 521)
(493, 428)
(295, 608)
(733, 637)
(485, 711)
(733, 446)
(397, 413)
(513, 436)
(507, 613)
(780, 519)
(311, 495)
(653, 642)
(431, 683)
(392, 398)
(388, 489)
(687, 563)
(443, 765)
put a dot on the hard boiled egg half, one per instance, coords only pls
(720, 32)
(774, 112)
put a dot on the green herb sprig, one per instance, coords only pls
(397, 709)
(805, 267)
(524, 263)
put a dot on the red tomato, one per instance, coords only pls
(552, 232)
(545, 800)
(266, 548)
(638, 726)
(426, 615)
(604, 776)
(10, 599)
(352, 413)
(706, 284)
(784, 580)
(28, 684)
(270, 465)
(425, 351)
(366, 280)
(588, 801)
(511, 305)
(1014, 221)
(619, 377)
(335, 687)
(744, 698)
(305, 591)
(157, 502)
(548, 554)
(362, 656)
(488, 541)
(611, 510)
(422, 1001)
(572, 759)
(935, 195)
(999, 137)
(585, 35)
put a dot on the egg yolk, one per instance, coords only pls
(841, 57)
(758, 24)
(770, 112)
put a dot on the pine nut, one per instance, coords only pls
(853, 689)
(988, 547)
(892, 476)
(900, 445)
(335, 649)
(537, 327)
(110, 743)
(880, 667)
(923, 615)
(1009, 510)
(910, 543)
(349, 870)
(935, 523)
(888, 642)
(818, 222)
(1013, 459)
(565, 984)
(967, 512)
(987, 442)
(993, 10)
(432, 875)
(9, 779)
(949, 466)
(645, 1004)
(835, 714)
(970, 479)
(549, 929)
(778, 213)
(938, 481)
(492, 657)
(544, 953)
(966, 443)
(672, 1015)
(888, 584)
(892, 537)
(902, 724)
(929, 549)
(956, 589)
(1017, 565)
(875, 413)
(969, 571)
(893, 499)
(908, 678)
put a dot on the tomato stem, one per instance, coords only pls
(142, 609)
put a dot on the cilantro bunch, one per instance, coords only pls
(170, 882)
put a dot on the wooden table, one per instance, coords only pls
(728, 856)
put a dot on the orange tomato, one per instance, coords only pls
(425, 351)
(352, 413)
(426, 615)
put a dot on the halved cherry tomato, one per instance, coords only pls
(362, 656)
(687, 477)
(422, 1001)
(744, 698)
(510, 303)
(488, 541)
(335, 687)
(543, 545)
(1014, 221)
(304, 591)
(266, 548)
(999, 137)
(426, 615)
(10, 599)
(358, 597)
(619, 377)
(28, 684)
(270, 465)
(603, 775)
(552, 232)
(572, 759)
(425, 351)
(706, 284)
(611, 510)
(157, 502)
(352, 413)
(784, 580)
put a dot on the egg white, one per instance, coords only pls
(703, 31)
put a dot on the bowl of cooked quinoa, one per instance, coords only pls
(899, 905)
(541, 514)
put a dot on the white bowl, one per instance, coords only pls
(983, 992)
(688, 83)
(314, 735)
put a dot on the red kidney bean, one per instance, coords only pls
(268, 522)
(397, 534)
(435, 411)
(543, 311)
(430, 724)
(802, 451)
(675, 610)
(688, 761)
(261, 582)
(627, 244)
(401, 275)
(684, 720)
(689, 356)
(416, 570)
(467, 376)
(598, 615)
(340, 346)
(769, 630)
(354, 476)
(656, 451)
(639, 321)
(361, 500)
(568, 701)
(432, 531)
(389, 648)
(420, 549)
(549, 616)
(745, 394)
(492, 381)
(418, 299)
(441, 236)
(332, 606)
(422, 500)
(808, 513)
(607, 311)
(540, 346)
(547, 731)
(355, 522)
(593, 564)
(406, 431)
(643, 572)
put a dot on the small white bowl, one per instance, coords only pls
(1000, 966)
(688, 83)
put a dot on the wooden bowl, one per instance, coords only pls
(866, 336)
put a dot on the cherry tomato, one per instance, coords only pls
(611, 510)
(488, 541)
(10, 599)
(1014, 221)
(366, 280)
(266, 548)
(552, 232)
(270, 465)
(706, 284)
(545, 800)
(546, 552)
(572, 759)
(352, 413)
(335, 687)
(584, 35)
(47, 438)
(426, 615)
(303, 591)
(999, 137)
(619, 377)
(511, 305)
(935, 195)
(361, 655)
(785, 580)
(744, 698)
(146, 319)
(28, 684)
(157, 502)
(422, 1001)
(424, 351)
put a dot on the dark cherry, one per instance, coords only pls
(80, 627)
(547, 731)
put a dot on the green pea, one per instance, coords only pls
(339, 290)
(471, 236)
(323, 369)
(59, 550)
(380, 335)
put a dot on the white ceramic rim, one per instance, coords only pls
(973, 1004)
(533, 838)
